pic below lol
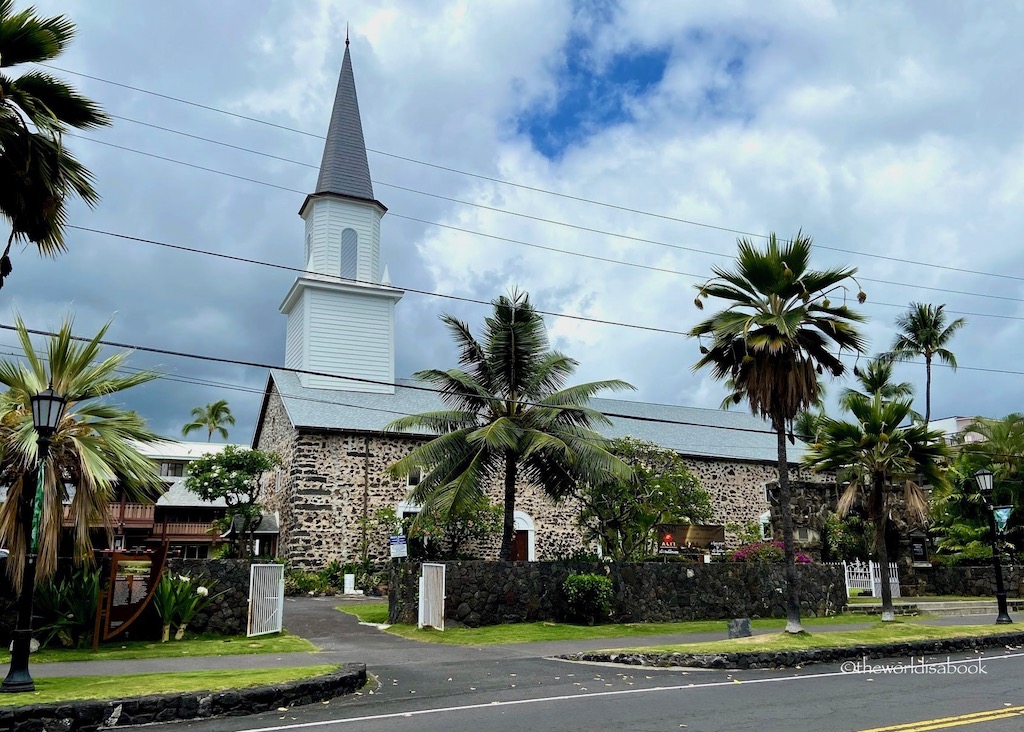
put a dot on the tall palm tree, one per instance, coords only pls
(878, 457)
(37, 173)
(211, 418)
(95, 449)
(876, 378)
(923, 331)
(778, 332)
(508, 418)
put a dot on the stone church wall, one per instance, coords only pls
(329, 481)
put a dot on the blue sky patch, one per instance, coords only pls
(589, 98)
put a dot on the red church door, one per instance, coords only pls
(521, 546)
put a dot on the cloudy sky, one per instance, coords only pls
(600, 155)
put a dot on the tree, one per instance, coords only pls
(234, 475)
(507, 415)
(37, 173)
(622, 514)
(923, 331)
(212, 418)
(448, 537)
(877, 378)
(878, 456)
(777, 333)
(1000, 443)
(95, 449)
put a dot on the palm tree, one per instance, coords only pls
(95, 449)
(212, 418)
(1001, 443)
(778, 332)
(878, 456)
(508, 417)
(37, 173)
(924, 332)
(877, 379)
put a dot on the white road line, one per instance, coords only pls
(596, 694)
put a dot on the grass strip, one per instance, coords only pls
(77, 688)
(549, 631)
(880, 633)
(202, 646)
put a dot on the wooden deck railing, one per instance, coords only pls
(127, 514)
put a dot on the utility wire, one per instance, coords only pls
(501, 181)
(539, 219)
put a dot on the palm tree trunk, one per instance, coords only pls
(881, 520)
(792, 581)
(927, 389)
(508, 533)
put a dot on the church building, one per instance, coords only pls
(324, 413)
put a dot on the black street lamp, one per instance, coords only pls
(984, 478)
(47, 411)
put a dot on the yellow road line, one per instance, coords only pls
(957, 721)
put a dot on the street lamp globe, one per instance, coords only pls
(47, 411)
(984, 478)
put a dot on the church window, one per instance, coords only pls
(309, 247)
(349, 250)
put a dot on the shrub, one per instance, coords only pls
(589, 597)
(67, 608)
(301, 582)
(769, 552)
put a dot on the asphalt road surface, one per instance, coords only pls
(429, 687)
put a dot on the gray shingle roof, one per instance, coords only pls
(715, 433)
(343, 169)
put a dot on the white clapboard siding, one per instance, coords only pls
(326, 219)
(351, 334)
(295, 347)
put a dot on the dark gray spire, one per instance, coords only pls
(344, 170)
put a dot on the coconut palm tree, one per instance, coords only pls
(880, 456)
(778, 332)
(923, 331)
(1000, 442)
(37, 173)
(876, 378)
(508, 418)
(94, 451)
(211, 418)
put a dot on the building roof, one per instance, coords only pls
(344, 170)
(692, 431)
(179, 496)
(175, 450)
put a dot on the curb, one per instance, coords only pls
(86, 716)
(786, 659)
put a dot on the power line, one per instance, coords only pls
(531, 217)
(501, 181)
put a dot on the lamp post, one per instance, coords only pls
(47, 411)
(984, 478)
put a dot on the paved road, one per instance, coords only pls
(430, 687)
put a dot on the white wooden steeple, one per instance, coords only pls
(341, 315)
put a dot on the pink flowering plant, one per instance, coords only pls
(769, 552)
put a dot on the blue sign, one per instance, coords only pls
(1002, 516)
(399, 546)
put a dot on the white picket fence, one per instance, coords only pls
(431, 610)
(868, 576)
(266, 599)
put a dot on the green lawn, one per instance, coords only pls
(879, 633)
(208, 646)
(549, 631)
(63, 689)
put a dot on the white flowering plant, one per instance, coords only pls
(177, 601)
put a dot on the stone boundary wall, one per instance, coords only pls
(489, 593)
(226, 614)
(979, 581)
(786, 659)
(91, 715)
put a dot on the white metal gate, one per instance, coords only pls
(868, 576)
(266, 599)
(431, 611)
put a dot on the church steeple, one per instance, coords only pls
(344, 170)
(341, 311)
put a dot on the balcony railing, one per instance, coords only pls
(186, 530)
(138, 515)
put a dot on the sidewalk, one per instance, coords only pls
(343, 640)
